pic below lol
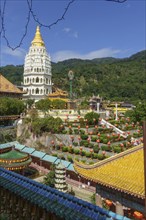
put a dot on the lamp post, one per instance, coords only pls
(70, 76)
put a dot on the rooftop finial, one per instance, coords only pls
(38, 41)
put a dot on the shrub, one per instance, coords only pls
(64, 149)
(94, 138)
(64, 132)
(117, 149)
(88, 154)
(76, 131)
(76, 151)
(70, 158)
(100, 157)
(105, 141)
(83, 161)
(82, 131)
(75, 144)
(91, 162)
(55, 154)
(84, 137)
(83, 153)
(106, 148)
(95, 156)
(96, 149)
(77, 159)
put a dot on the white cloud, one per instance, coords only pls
(70, 32)
(75, 34)
(66, 30)
(19, 52)
(68, 54)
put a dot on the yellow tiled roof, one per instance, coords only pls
(123, 172)
(7, 86)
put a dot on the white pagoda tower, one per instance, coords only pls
(60, 178)
(37, 70)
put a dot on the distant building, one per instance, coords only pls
(95, 103)
(7, 89)
(37, 70)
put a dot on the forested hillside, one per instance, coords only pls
(111, 78)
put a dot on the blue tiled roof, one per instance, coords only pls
(49, 158)
(28, 150)
(6, 145)
(19, 146)
(61, 204)
(70, 167)
(38, 154)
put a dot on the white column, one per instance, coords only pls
(116, 105)
(119, 209)
(98, 104)
(98, 200)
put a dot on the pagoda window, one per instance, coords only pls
(33, 80)
(27, 80)
(37, 91)
(37, 69)
(41, 91)
(37, 80)
(46, 91)
(41, 80)
(47, 81)
(32, 91)
(27, 90)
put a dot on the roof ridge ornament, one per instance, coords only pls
(38, 40)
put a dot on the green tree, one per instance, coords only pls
(58, 104)
(10, 106)
(49, 179)
(43, 105)
(138, 114)
(92, 118)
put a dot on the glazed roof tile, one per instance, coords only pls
(61, 204)
(7, 87)
(124, 172)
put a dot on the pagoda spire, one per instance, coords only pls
(38, 40)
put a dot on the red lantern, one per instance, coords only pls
(87, 126)
(91, 151)
(98, 141)
(79, 138)
(108, 202)
(103, 153)
(70, 127)
(96, 126)
(138, 215)
(109, 143)
(79, 116)
(78, 127)
(52, 142)
(81, 148)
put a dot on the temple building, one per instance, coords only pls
(119, 182)
(7, 89)
(12, 159)
(37, 70)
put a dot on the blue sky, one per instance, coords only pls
(91, 29)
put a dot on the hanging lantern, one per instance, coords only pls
(108, 202)
(138, 215)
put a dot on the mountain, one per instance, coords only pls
(110, 77)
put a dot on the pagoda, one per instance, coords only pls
(37, 70)
(60, 178)
(12, 159)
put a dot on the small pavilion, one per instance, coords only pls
(13, 159)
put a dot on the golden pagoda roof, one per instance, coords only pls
(7, 87)
(38, 40)
(124, 172)
(58, 93)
